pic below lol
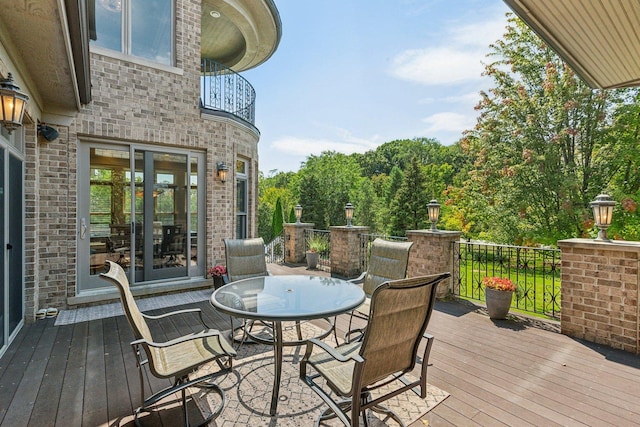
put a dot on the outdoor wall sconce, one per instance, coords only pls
(222, 171)
(47, 132)
(434, 213)
(298, 210)
(602, 214)
(348, 213)
(12, 104)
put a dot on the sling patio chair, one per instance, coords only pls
(388, 261)
(175, 359)
(398, 319)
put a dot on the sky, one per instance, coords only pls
(350, 75)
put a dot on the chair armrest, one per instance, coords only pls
(191, 337)
(332, 351)
(225, 279)
(172, 313)
(358, 279)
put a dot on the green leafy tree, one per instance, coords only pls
(539, 144)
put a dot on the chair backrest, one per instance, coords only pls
(118, 277)
(388, 261)
(398, 318)
(245, 258)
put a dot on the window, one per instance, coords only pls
(142, 28)
(241, 199)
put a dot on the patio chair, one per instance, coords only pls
(174, 359)
(245, 258)
(388, 261)
(399, 316)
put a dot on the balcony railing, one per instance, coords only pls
(222, 89)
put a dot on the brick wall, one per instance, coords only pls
(600, 292)
(345, 247)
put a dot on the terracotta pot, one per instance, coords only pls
(498, 303)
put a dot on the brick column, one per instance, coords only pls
(294, 241)
(345, 250)
(600, 292)
(431, 253)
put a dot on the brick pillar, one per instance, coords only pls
(294, 241)
(345, 250)
(431, 253)
(600, 292)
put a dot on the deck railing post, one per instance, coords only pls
(432, 253)
(345, 250)
(294, 241)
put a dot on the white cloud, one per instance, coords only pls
(297, 146)
(449, 122)
(459, 60)
(437, 66)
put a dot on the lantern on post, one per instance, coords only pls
(298, 210)
(602, 214)
(348, 213)
(434, 213)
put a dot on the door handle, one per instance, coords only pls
(83, 228)
(9, 246)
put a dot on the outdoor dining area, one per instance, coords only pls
(258, 337)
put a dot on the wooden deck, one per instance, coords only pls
(499, 373)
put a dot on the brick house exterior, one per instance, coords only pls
(135, 106)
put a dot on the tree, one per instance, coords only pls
(277, 225)
(409, 206)
(538, 145)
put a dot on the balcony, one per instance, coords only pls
(226, 93)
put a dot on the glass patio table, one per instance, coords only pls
(286, 298)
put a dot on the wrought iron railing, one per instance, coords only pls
(535, 271)
(324, 262)
(365, 247)
(222, 89)
(274, 250)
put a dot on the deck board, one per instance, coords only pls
(498, 373)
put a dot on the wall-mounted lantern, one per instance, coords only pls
(222, 170)
(12, 104)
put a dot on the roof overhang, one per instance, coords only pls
(240, 34)
(600, 40)
(47, 44)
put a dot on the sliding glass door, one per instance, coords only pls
(141, 208)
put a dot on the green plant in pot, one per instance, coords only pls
(498, 292)
(316, 243)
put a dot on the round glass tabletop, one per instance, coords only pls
(287, 297)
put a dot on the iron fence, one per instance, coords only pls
(365, 247)
(324, 262)
(535, 271)
(223, 89)
(274, 250)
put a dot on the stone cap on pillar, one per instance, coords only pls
(300, 224)
(442, 234)
(352, 228)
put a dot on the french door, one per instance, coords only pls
(141, 208)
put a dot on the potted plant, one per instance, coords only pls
(316, 243)
(498, 294)
(217, 272)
